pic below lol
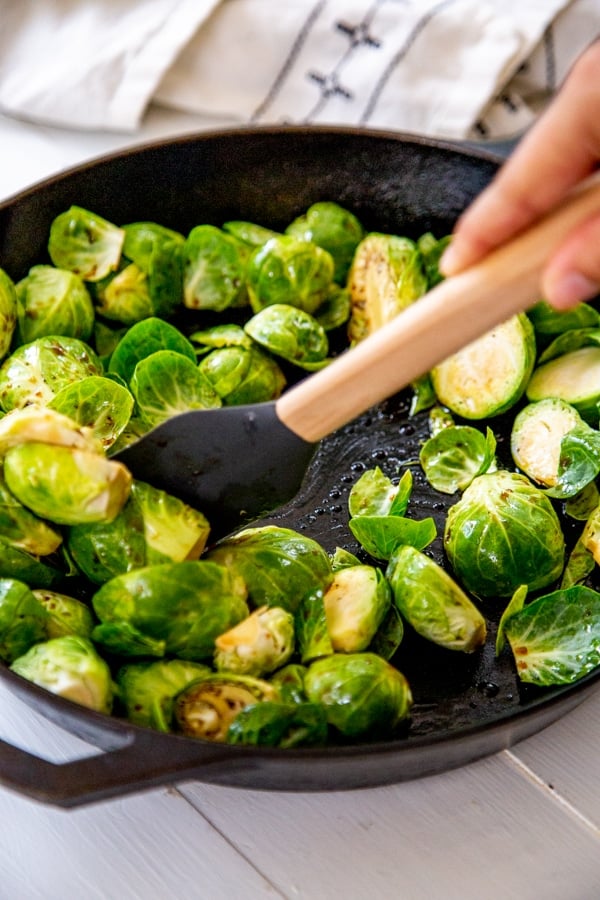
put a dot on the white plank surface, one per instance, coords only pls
(523, 825)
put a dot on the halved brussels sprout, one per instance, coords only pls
(207, 707)
(35, 372)
(279, 566)
(85, 243)
(44, 426)
(70, 667)
(147, 690)
(356, 603)
(97, 403)
(124, 296)
(23, 619)
(53, 301)
(289, 332)
(386, 276)
(333, 228)
(167, 383)
(432, 602)
(66, 615)
(289, 271)
(143, 339)
(65, 485)
(258, 644)
(361, 693)
(536, 437)
(184, 605)
(502, 533)
(573, 377)
(214, 273)
(489, 375)
(8, 312)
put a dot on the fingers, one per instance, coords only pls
(561, 149)
(573, 275)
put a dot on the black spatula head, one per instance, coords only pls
(234, 464)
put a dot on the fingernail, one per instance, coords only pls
(570, 289)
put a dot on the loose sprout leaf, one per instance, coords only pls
(98, 403)
(374, 494)
(549, 321)
(312, 632)
(389, 635)
(440, 418)
(582, 504)
(274, 724)
(167, 383)
(579, 462)
(289, 682)
(431, 249)
(380, 535)
(250, 233)
(66, 615)
(453, 457)
(580, 564)
(556, 638)
(228, 335)
(423, 396)
(23, 619)
(85, 243)
(571, 340)
(37, 572)
(143, 339)
(590, 537)
(124, 297)
(516, 603)
(341, 559)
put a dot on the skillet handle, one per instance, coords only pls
(456, 312)
(143, 760)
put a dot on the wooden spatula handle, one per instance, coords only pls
(449, 317)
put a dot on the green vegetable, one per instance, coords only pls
(85, 243)
(289, 682)
(333, 228)
(547, 639)
(186, 605)
(258, 644)
(356, 603)
(147, 690)
(8, 312)
(214, 273)
(312, 632)
(207, 707)
(143, 339)
(21, 529)
(289, 271)
(573, 377)
(432, 602)
(549, 321)
(66, 615)
(273, 724)
(536, 437)
(453, 457)
(37, 572)
(243, 375)
(361, 693)
(489, 375)
(166, 383)
(70, 667)
(97, 403)
(381, 535)
(23, 619)
(290, 333)
(53, 301)
(502, 533)
(374, 494)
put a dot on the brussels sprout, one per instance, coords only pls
(258, 644)
(37, 572)
(85, 243)
(386, 276)
(152, 527)
(207, 707)
(489, 375)
(143, 339)
(147, 690)
(124, 296)
(453, 457)
(97, 403)
(289, 682)
(341, 559)
(167, 383)
(333, 228)
(65, 485)
(142, 239)
(53, 301)
(214, 269)
(242, 375)
(312, 633)
(361, 693)
(66, 615)
(8, 312)
(44, 426)
(431, 249)
(250, 233)
(536, 436)
(374, 494)
(573, 377)
(547, 641)
(432, 602)
(23, 619)
(356, 603)
(502, 533)
(35, 372)
(105, 339)
(186, 605)
(158, 251)
(580, 564)
(289, 271)
(279, 566)
(289, 332)
(550, 321)
(380, 535)
(70, 667)
(272, 724)
(21, 529)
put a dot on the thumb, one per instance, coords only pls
(573, 274)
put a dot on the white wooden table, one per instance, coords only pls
(522, 825)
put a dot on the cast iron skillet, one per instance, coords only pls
(465, 707)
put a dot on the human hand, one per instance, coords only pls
(558, 152)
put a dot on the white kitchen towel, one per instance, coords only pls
(445, 68)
